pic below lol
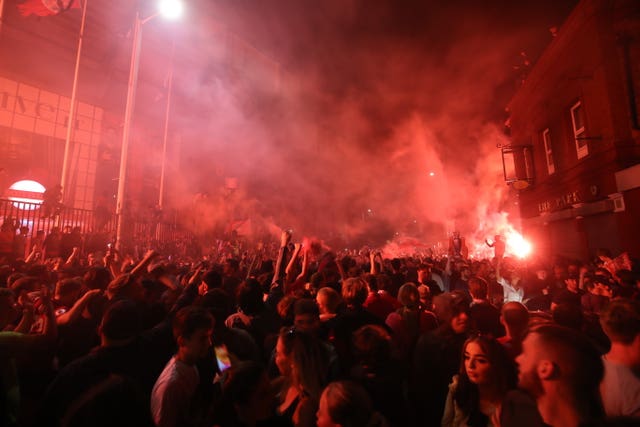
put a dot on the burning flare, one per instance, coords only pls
(517, 245)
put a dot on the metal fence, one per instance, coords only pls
(33, 215)
(37, 217)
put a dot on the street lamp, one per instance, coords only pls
(166, 128)
(170, 9)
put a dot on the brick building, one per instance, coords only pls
(575, 131)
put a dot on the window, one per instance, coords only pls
(546, 138)
(579, 131)
(517, 165)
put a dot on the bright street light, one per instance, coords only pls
(171, 9)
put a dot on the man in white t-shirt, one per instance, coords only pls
(620, 388)
(175, 388)
(508, 277)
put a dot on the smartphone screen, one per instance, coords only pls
(222, 357)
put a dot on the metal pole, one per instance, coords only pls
(1, 13)
(72, 110)
(166, 128)
(128, 115)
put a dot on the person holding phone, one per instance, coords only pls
(223, 360)
(176, 386)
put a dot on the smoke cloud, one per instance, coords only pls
(354, 121)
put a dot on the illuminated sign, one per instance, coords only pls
(26, 191)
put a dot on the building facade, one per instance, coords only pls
(33, 127)
(36, 74)
(575, 124)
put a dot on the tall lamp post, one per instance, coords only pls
(170, 9)
(66, 160)
(166, 128)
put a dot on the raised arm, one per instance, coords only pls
(28, 315)
(73, 257)
(285, 238)
(142, 265)
(76, 310)
(255, 260)
(447, 268)
(499, 270)
(305, 264)
(196, 274)
(50, 328)
(343, 274)
(288, 272)
(14, 342)
(583, 272)
(33, 255)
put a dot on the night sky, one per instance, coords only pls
(339, 39)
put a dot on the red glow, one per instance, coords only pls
(517, 245)
(498, 224)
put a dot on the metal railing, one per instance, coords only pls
(35, 216)
(38, 217)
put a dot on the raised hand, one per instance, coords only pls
(285, 238)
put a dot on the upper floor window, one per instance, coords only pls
(546, 138)
(579, 130)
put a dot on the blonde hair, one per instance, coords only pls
(330, 299)
(354, 291)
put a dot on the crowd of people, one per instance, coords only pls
(297, 335)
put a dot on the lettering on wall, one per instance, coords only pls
(46, 113)
(35, 121)
(561, 202)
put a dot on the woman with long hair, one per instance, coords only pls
(476, 394)
(303, 364)
(409, 321)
